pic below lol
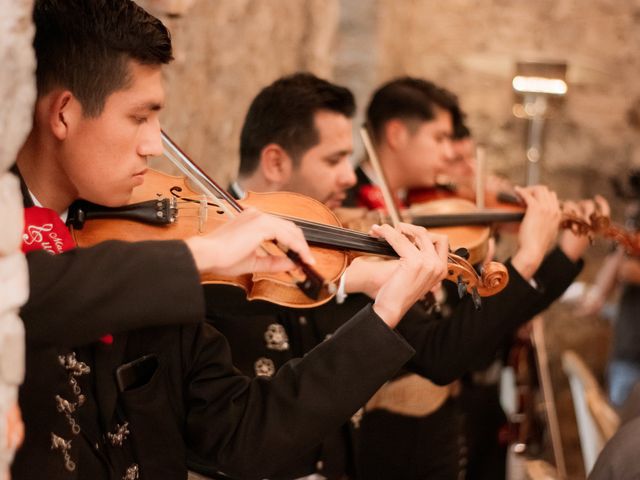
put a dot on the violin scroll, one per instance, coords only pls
(494, 277)
(598, 222)
(492, 280)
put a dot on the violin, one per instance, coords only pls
(459, 219)
(498, 193)
(168, 207)
(467, 225)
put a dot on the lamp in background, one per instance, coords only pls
(537, 86)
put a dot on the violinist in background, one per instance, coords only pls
(306, 149)
(459, 179)
(621, 271)
(413, 124)
(484, 421)
(124, 379)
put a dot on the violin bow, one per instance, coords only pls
(383, 184)
(312, 283)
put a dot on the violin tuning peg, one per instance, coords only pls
(462, 252)
(477, 300)
(462, 288)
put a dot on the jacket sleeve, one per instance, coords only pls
(251, 427)
(446, 349)
(619, 459)
(80, 295)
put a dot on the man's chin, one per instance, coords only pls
(333, 203)
(114, 201)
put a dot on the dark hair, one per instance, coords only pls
(461, 131)
(629, 187)
(283, 113)
(85, 46)
(410, 99)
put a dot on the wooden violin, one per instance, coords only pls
(170, 207)
(467, 225)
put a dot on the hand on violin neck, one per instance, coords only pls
(538, 230)
(237, 247)
(367, 274)
(574, 243)
(422, 265)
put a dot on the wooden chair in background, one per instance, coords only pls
(597, 420)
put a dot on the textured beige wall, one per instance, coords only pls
(225, 52)
(17, 89)
(16, 100)
(470, 46)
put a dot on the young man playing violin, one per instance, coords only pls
(413, 123)
(112, 389)
(306, 149)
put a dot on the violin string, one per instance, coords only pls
(331, 235)
(353, 239)
(347, 238)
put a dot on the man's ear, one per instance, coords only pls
(396, 134)
(276, 165)
(62, 112)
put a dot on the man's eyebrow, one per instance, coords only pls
(149, 106)
(340, 153)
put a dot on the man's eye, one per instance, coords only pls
(139, 119)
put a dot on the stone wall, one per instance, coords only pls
(471, 47)
(226, 51)
(17, 92)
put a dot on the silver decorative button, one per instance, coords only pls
(276, 337)
(264, 367)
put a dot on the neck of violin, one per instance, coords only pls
(486, 217)
(336, 237)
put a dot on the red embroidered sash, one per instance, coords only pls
(370, 196)
(44, 230)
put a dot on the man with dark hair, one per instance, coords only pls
(413, 100)
(117, 392)
(297, 132)
(413, 123)
(272, 335)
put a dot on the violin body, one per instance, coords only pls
(465, 225)
(185, 213)
(475, 238)
(194, 217)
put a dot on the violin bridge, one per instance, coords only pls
(202, 214)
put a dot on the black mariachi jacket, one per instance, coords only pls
(195, 407)
(264, 336)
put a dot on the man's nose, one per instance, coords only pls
(151, 142)
(348, 175)
(447, 150)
